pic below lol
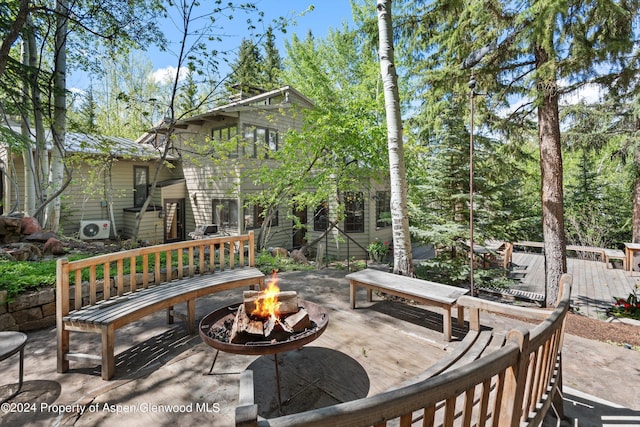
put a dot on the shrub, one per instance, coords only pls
(629, 307)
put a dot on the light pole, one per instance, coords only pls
(472, 86)
(470, 61)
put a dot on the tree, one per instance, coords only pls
(402, 257)
(52, 36)
(534, 46)
(247, 68)
(272, 63)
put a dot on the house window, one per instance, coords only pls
(225, 213)
(321, 217)
(140, 185)
(254, 217)
(258, 139)
(383, 209)
(226, 139)
(354, 212)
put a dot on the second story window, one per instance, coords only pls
(140, 185)
(226, 139)
(259, 140)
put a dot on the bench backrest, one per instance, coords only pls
(84, 282)
(510, 386)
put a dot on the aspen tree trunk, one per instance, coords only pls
(56, 175)
(551, 175)
(29, 197)
(402, 257)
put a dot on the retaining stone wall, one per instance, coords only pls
(29, 311)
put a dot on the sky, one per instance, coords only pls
(325, 14)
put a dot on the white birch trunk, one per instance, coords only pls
(29, 196)
(402, 257)
(56, 175)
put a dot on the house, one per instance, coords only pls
(109, 177)
(204, 185)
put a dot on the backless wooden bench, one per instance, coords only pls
(159, 277)
(422, 291)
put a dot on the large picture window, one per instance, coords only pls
(383, 209)
(354, 212)
(225, 213)
(140, 185)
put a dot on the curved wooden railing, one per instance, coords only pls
(514, 384)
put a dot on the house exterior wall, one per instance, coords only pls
(208, 178)
(85, 197)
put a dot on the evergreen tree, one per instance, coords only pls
(246, 70)
(528, 48)
(272, 63)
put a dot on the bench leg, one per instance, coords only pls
(446, 323)
(461, 316)
(352, 294)
(108, 361)
(63, 349)
(170, 315)
(191, 316)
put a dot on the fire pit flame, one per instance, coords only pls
(268, 307)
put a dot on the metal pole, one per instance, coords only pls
(472, 86)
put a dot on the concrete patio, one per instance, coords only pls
(162, 372)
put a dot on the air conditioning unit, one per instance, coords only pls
(95, 229)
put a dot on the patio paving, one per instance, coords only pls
(162, 372)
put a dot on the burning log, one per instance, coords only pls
(243, 327)
(287, 301)
(299, 321)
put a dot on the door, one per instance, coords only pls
(174, 220)
(299, 234)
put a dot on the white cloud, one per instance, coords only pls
(589, 94)
(167, 74)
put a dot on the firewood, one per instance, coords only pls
(288, 301)
(299, 321)
(244, 328)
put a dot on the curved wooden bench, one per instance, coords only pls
(159, 279)
(504, 381)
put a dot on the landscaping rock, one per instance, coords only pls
(30, 225)
(53, 246)
(40, 236)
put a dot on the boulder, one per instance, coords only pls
(298, 256)
(30, 225)
(40, 236)
(278, 252)
(10, 227)
(53, 246)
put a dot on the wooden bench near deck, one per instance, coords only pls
(154, 283)
(606, 255)
(422, 291)
(499, 379)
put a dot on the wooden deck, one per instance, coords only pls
(594, 285)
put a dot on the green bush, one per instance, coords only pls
(21, 276)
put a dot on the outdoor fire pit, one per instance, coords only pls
(223, 318)
(265, 322)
